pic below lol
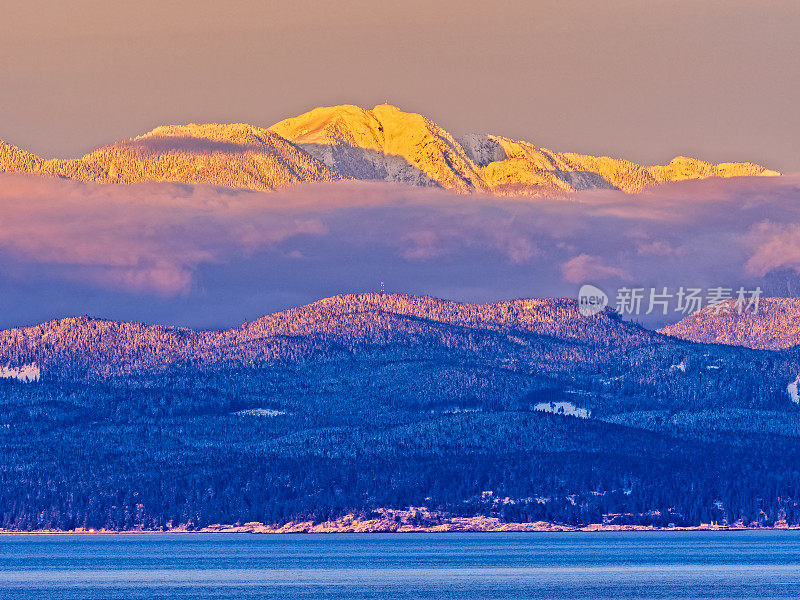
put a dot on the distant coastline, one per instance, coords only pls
(412, 521)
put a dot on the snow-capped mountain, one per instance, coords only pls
(237, 155)
(384, 143)
(511, 167)
(349, 142)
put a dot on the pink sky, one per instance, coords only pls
(641, 79)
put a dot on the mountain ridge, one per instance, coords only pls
(347, 142)
(774, 326)
(349, 318)
(366, 401)
(344, 338)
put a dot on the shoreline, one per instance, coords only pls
(242, 530)
(414, 520)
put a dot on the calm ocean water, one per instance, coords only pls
(753, 564)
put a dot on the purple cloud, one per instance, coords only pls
(585, 268)
(205, 255)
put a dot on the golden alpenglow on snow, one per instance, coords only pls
(237, 156)
(351, 143)
(384, 143)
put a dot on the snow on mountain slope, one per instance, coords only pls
(775, 326)
(682, 168)
(25, 373)
(558, 318)
(237, 155)
(417, 350)
(384, 143)
(349, 142)
(511, 167)
(563, 408)
(82, 344)
(16, 160)
(104, 348)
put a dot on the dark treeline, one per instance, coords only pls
(66, 464)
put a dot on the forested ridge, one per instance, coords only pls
(360, 402)
(775, 325)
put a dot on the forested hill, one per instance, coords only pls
(75, 347)
(775, 325)
(366, 401)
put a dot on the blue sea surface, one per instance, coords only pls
(715, 565)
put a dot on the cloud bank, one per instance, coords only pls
(207, 256)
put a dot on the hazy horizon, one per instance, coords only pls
(643, 81)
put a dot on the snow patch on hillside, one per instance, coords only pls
(26, 373)
(794, 393)
(562, 408)
(260, 412)
(457, 410)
